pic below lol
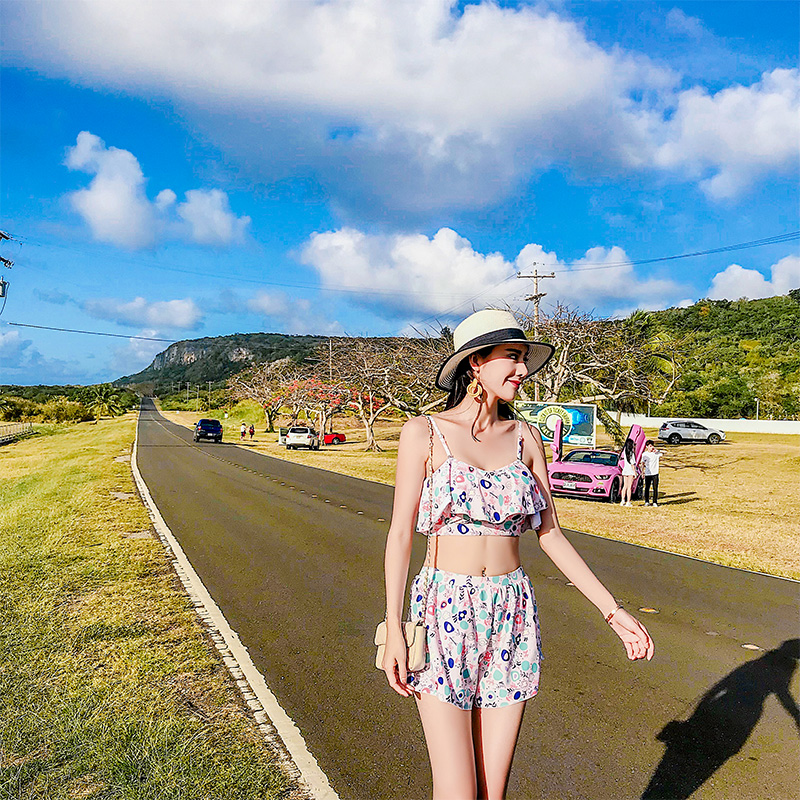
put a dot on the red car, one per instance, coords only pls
(334, 438)
(592, 473)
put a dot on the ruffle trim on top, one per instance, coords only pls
(464, 491)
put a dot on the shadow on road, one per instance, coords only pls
(722, 722)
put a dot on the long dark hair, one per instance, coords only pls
(629, 450)
(459, 390)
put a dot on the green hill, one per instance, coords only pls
(734, 352)
(216, 358)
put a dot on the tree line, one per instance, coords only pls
(712, 359)
(64, 403)
(619, 364)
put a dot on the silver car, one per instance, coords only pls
(684, 430)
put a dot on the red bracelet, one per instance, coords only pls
(611, 615)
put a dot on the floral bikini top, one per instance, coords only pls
(476, 502)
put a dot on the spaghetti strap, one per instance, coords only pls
(440, 435)
(520, 443)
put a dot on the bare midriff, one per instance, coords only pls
(474, 555)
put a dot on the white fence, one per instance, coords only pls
(787, 426)
(9, 431)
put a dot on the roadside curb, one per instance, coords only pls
(278, 729)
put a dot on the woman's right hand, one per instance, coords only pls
(395, 662)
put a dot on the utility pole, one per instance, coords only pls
(187, 394)
(6, 262)
(197, 399)
(536, 297)
(330, 360)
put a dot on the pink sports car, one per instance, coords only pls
(592, 473)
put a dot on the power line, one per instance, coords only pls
(282, 284)
(779, 239)
(446, 313)
(90, 333)
(769, 240)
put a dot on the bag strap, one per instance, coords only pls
(430, 529)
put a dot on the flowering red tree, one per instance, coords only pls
(316, 399)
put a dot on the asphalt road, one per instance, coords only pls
(293, 557)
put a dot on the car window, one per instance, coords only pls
(298, 430)
(592, 457)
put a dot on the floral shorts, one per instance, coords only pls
(484, 646)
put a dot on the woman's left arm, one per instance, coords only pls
(633, 634)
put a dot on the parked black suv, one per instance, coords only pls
(208, 429)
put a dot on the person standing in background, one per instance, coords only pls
(651, 458)
(629, 469)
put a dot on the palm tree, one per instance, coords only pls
(103, 399)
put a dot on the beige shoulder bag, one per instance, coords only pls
(415, 633)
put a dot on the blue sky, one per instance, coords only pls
(178, 170)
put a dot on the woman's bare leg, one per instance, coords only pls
(448, 735)
(495, 732)
(627, 485)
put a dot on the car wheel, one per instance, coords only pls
(317, 447)
(714, 439)
(336, 440)
(613, 495)
(674, 438)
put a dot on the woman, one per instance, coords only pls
(628, 458)
(478, 604)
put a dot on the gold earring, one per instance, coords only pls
(475, 390)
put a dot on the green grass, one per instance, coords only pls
(108, 688)
(247, 411)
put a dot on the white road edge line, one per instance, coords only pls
(311, 775)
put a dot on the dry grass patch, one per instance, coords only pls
(736, 503)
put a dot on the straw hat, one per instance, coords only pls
(488, 328)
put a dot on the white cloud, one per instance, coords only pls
(736, 281)
(208, 215)
(738, 134)
(273, 304)
(160, 314)
(445, 275)
(24, 364)
(442, 104)
(136, 354)
(114, 205)
(405, 271)
(679, 22)
(117, 210)
(12, 347)
(290, 314)
(53, 296)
